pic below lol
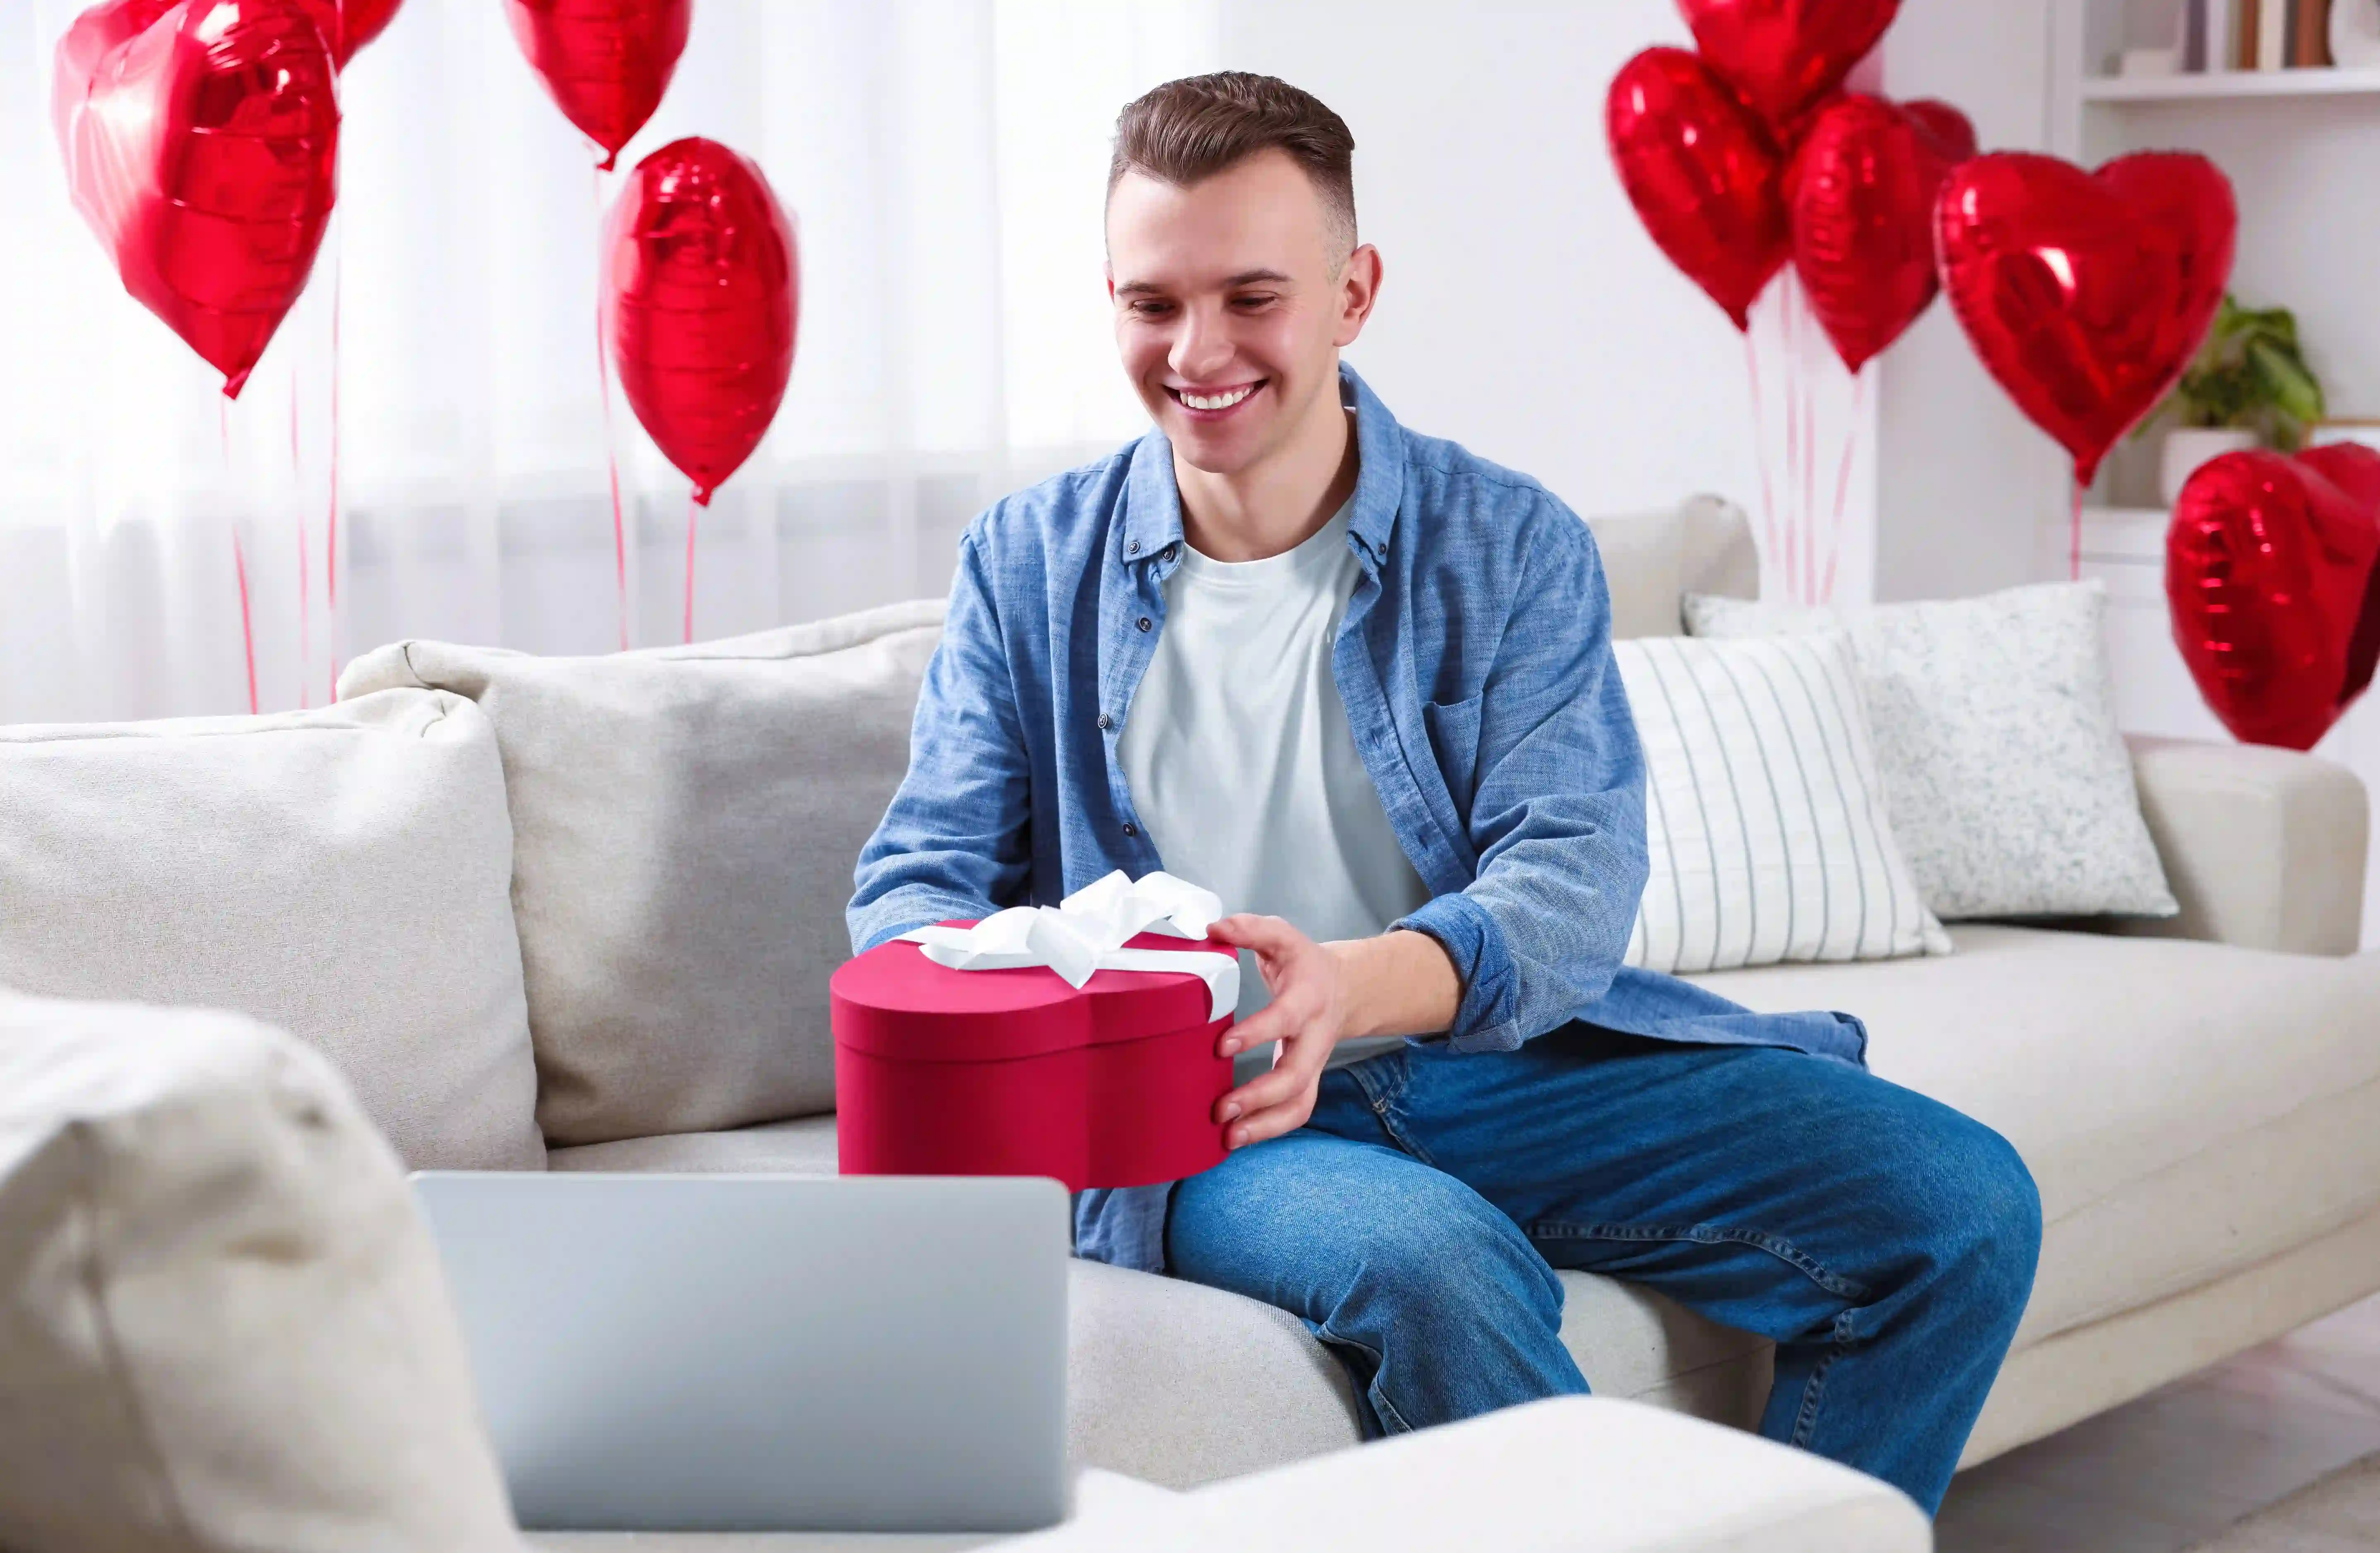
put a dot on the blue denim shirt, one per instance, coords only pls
(1475, 664)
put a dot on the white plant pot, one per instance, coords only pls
(2186, 449)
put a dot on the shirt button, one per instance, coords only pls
(1106, 721)
(1143, 622)
(1130, 829)
(1166, 555)
(1133, 549)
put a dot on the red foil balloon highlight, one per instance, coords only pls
(1862, 215)
(1784, 56)
(606, 63)
(2275, 597)
(2087, 294)
(1704, 175)
(700, 298)
(201, 144)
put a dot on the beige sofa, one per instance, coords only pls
(675, 828)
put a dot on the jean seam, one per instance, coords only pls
(1712, 1234)
(1390, 1419)
(1383, 1097)
(1806, 1423)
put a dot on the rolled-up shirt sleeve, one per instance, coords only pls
(1558, 810)
(953, 843)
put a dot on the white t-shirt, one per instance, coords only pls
(1241, 765)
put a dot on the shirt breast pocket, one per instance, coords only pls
(1454, 739)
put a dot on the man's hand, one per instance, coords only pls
(1398, 984)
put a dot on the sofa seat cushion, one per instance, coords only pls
(2188, 1109)
(801, 1147)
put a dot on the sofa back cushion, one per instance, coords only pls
(342, 873)
(221, 1324)
(1653, 560)
(686, 821)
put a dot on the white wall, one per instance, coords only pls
(1525, 313)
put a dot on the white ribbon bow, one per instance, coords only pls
(1085, 933)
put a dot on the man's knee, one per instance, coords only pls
(1973, 1207)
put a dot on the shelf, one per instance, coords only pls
(2230, 83)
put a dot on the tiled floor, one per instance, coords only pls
(2174, 1468)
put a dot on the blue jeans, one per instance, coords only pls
(1885, 1242)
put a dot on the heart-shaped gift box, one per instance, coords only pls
(939, 1071)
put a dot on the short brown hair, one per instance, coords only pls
(1188, 130)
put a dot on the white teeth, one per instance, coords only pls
(1217, 401)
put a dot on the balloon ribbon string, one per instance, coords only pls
(1760, 443)
(240, 568)
(1843, 484)
(305, 587)
(611, 454)
(1810, 451)
(693, 506)
(330, 526)
(2074, 541)
(1791, 340)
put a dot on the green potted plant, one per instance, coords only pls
(2250, 384)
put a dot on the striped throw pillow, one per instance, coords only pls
(1763, 808)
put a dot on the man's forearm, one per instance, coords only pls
(1397, 984)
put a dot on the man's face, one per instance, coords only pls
(1231, 305)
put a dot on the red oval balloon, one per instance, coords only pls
(2087, 294)
(2275, 597)
(201, 144)
(1704, 175)
(701, 292)
(1863, 223)
(1782, 56)
(606, 63)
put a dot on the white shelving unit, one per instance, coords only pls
(2229, 83)
(2298, 147)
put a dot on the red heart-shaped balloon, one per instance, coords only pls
(1863, 223)
(1953, 131)
(700, 298)
(2270, 573)
(201, 144)
(1783, 55)
(360, 22)
(2086, 294)
(1703, 174)
(606, 63)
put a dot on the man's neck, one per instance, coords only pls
(1280, 502)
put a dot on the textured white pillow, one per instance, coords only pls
(222, 1322)
(344, 874)
(1763, 810)
(2008, 779)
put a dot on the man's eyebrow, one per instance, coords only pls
(1246, 277)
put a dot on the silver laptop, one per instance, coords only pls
(720, 1353)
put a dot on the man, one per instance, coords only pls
(1361, 682)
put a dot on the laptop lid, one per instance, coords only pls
(764, 1352)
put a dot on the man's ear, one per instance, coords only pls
(1359, 291)
(1109, 270)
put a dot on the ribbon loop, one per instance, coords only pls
(1087, 932)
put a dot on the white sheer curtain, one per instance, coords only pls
(942, 162)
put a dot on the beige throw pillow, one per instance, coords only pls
(222, 1322)
(688, 820)
(342, 873)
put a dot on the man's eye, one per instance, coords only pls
(1252, 303)
(1151, 310)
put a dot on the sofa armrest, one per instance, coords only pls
(2264, 848)
(1575, 1474)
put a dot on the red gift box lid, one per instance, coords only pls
(894, 1002)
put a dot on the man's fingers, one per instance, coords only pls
(1266, 935)
(1270, 1123)
(1297, 1070)
(1271, 1023)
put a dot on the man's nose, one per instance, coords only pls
(1201, 347)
